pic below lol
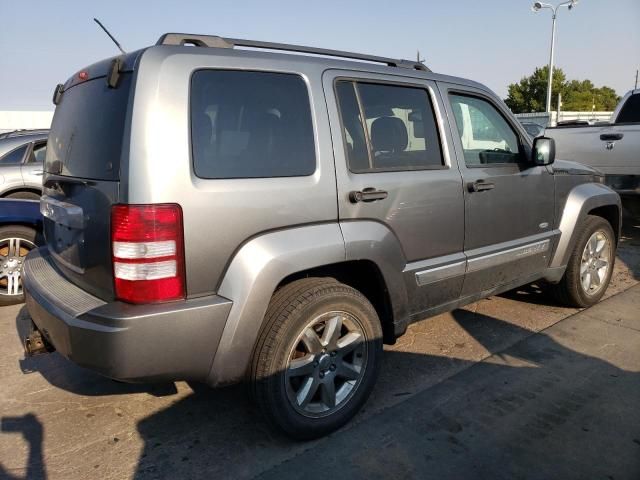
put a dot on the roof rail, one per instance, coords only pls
(23, 132)
(221, 42)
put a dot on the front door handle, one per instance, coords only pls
(480, 186)
(611, 137)
(368, 194)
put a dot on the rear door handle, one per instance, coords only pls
(368, 194)
(480, 186)
(611, 137)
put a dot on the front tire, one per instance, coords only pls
(16, 242)
(590, 266)
(317, 358)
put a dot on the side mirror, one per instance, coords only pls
(544, 151)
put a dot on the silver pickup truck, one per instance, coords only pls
(612, 148)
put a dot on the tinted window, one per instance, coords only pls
(38, 153)
(401, 132)
(87, 130)
(15, 156)
(487, 138)
(250, 125)
(630, 112)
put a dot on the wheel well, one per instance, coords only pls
(612, 215)
(22, 189)
(364, 276)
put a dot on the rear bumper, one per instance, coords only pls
(171, 341)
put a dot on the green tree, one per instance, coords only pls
(530, 94)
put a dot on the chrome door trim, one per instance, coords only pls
(506, 256)
(437, 269)
(442, 268)
(433, 275)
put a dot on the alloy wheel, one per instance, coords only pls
(595, 262)
(12, 253)
(326, 364)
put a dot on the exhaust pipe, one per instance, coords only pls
(36, 344)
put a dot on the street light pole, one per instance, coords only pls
(550, 78)
(537, 6)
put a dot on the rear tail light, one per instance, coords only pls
(148, 253)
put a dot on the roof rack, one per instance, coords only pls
(221, 42)
(23, 132)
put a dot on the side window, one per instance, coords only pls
(250, 125)
(38, 153)
(487, 138)
(630, 112)
(15, 156)
(401, 131)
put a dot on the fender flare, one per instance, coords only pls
(580, 201)
(249, 282)
(264, 261)
(373, 241)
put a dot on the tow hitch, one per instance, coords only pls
(36, 344)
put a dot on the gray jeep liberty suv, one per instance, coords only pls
(221, 214)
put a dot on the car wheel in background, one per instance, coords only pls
(16, 242)
(24, 196)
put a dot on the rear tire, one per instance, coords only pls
(578, 286)
(24, 196)
(317, 357)
(16, 241)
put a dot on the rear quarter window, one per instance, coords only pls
(15, 156)
(250, 125)
(630, 112)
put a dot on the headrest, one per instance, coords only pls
(202, 128)
(389, 134)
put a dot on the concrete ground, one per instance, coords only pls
(508, 387)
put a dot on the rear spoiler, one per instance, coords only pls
(110, 69)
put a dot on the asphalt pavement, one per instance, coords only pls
(509, 387)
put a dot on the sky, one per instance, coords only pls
(495, 42)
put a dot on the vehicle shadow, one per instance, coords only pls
(536, 410)
(509, 419)
(64, 374)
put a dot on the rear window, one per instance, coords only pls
(85, 140)
(630, 112)
(250, 125)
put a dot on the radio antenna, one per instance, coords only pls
(110, 36)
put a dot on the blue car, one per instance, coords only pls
(20, 232)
